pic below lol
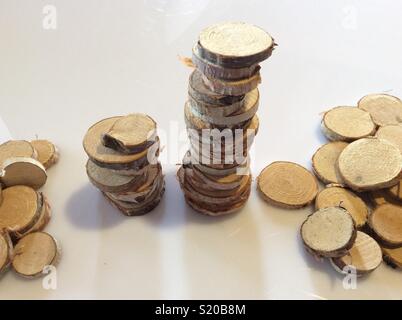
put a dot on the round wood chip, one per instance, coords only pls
(393, 257)
(47, 152)
(287, 185)
(386, 222)
(347, 124)
(33, 253)
(24, 171)
(391, 133)
(369, 164)
(19, 209)
(384, 109)
(16, 148)
(325, 162)
(235, 44)
(329, 232)
(341, 197)
(365, 255)
(6, 251)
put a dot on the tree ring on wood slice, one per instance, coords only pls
(365, 256)
(338, 196)
(24, 171)
(391, 133)
(233, 87)
(213, 70)
(131, 134)
(16, 148)
(286, 184)
(329, 232)
(369, 164)
(47, 152)
(347, 124)
(235, 44)
(386, 222)
(384, 109)
(34, 253)
(325, 162)
(19, 209)
(393, 257)
(6, 250)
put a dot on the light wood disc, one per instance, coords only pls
(16, 148)
(47, 152)
(6, 250)
(393, 257)
(386, 222)
(384, 109)
(391, 133)
(24, 171)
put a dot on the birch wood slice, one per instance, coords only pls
(386, 222)
(393, 257)
(16, 148)
(131, 134)
(24, 171)
(341, 197)
(6, 251)
(287, 184)
(384, 109)
(33, 253)
(369, 164)
(233, 87)
(325, 162)
(19, 209)
(329, 232)
(391, 133)
(347, 124)
(365, 255)
(47, 152)
(235, 44)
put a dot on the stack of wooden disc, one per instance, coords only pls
(25, 211)
(220, 116)
(123, 162)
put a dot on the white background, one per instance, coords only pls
(111, 58)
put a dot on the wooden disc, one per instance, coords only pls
(16, 148)
(33, 253)
(338, 196)
(325, 162)
(47, 152)
(235, 44)
(287, 185)
(386, 222)
(369, 164)
(24, 171)
(19, 208)
(233, 87)
(391, 133)
(365, 255)
(6, 250)
(393, 257)
(347, 124)
(329, 232)
(384, 109)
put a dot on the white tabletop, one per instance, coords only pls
(109, 58)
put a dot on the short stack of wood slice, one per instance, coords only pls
(123, 162)
(24, 210)
(220, 115)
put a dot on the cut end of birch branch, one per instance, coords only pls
(24, 171)
(384, 109)
(16, 148)
(391, 133)
(386, 222)
(47, 152)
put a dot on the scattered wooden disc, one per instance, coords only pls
(24, 171)
(16, 148)
(392, 134)
(131, 134)
(287, 184)
(365, 256)
(384, 109)
(369, 164)
(386, 222)
(393, 257)
(48, 154)
(341, 197)
(33, 253)
(6, 250)
(325, 162)
(235, 44)
(329, 232)
(347, 124)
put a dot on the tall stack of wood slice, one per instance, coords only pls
(123, 162)
(220, 116)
